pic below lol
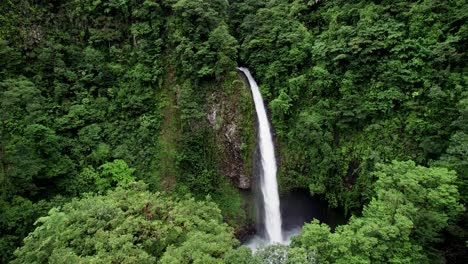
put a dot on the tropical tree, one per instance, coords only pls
(413, 205)
(129, 225)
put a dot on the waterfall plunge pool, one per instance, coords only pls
(298, 208)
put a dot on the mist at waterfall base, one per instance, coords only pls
(298, 208)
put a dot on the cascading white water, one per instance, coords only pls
(268, 185)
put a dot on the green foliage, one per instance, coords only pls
(200, 39)
(456, 156)
(10, 59)
(17, 219)
(199, 248)
(117, 173)
(431, 190)
(413, 205)
(241, 255)
(80, 78)
(231, 204)
(131, 225)
(15, 222)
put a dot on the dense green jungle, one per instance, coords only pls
(128, 136)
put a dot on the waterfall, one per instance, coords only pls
(268, 184)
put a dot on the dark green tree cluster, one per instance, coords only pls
(402, 224)
(129, 225)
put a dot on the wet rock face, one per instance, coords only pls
(226, 117)
(234, 165)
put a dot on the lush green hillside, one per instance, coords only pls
(98, 94)
(353, 83)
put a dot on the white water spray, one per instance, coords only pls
(268, 185)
